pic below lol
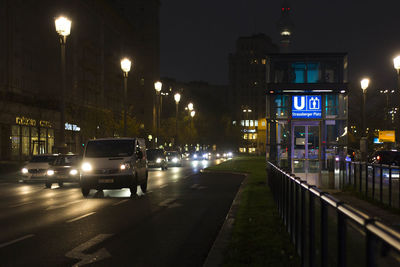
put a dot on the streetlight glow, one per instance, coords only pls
(396, 63)
(364, 83)
(190, 106)
(126, 65)
(192, 113)
(158, 86)
(177, 97)
(63, 26)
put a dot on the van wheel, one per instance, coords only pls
(85, 191)
(60, 184)
(143, 186)
(48, 185)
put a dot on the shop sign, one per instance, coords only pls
(306, 107)
(31, 122)
(387, 136)
(72, 127)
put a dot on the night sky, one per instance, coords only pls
(197, 36)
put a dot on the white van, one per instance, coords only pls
(114, 163)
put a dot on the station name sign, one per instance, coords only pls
(306, 107)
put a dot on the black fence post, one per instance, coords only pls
(381, 184)
(371, 249)
(296, 216)
(324, 234)
(360, 185)
(390, 186)
(341, 239)
(311, 222)
(366, 179)
(303, 225)
(373, 181)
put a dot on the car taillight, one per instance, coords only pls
(378, 158)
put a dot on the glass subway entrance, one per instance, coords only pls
(306, 154)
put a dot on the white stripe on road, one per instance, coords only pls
(81, 217)
(120, 202)
(64, 205)
(16, 240)
(167, 201)
(163, 185)
(194, 186)
(21, 204)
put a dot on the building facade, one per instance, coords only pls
(247, 81)
(307, 111)
(102, 33)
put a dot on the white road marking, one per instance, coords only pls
(194, 186)
(81, 217)
(120, 202)
(16, 240)
(174, 205)
(101, 254)
(64, 205)
(167, 201)
(163, 185)
(201, 187)
(21, 204)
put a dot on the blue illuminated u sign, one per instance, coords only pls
(306, 106)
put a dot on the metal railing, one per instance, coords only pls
(375, 181)
(327, 232)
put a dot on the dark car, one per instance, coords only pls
(65, 168)
(156, 158)
(174, 158)
(387, 157)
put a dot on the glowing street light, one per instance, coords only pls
(177, 98)
(158, 87)
(396, 63)
(126, 67)
(192, 113)
(190, 106)
(63, 28)
(364, 84)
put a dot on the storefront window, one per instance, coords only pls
(25, 141)
(15, 141)
(50, 140)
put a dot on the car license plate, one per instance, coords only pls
(106, 181)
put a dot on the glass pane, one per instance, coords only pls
(299, 151)
(313, 142)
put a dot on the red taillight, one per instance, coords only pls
(378, 158)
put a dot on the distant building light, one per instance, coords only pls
(322, 91)
(285, 33)
(72, 127)
(343, 91)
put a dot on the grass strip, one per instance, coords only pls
(258, 237)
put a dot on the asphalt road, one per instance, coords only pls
(174, 224)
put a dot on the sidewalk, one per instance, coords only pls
(388, 217)
(10, 171)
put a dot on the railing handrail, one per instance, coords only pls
(372, 225)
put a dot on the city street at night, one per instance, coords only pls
(174, 223)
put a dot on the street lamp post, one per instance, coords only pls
(63, 28)
(158, 87)
(177, 98)
(126, 67)
(363, 142)
(396, 64)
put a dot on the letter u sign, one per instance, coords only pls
(302, 102)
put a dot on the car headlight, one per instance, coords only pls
(230, 154)
(175, 160)
(158, 160)
(86, 167)
(50, 172)
(218, 155)
(205, 156)
(24, 170)
(73, 172)
(195, 156)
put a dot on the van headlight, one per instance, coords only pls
(158, 160)
(73, 172)
(86, 167)
(124, 166)
(24, 170)
(175, 160)
(50, 172)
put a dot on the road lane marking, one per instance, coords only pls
(64, 205)
(194, 186)
(101, 254)
(120, 202)
(81, 217)
(16, 240)
(163, 185)
(167, 201)
(20, 204)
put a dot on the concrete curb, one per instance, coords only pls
(215, 256)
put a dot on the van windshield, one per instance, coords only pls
(109, 148)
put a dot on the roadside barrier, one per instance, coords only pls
(327, 232)
(379, 182)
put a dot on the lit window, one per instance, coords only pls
(251, 123)
(250, 136)
(256, 123)
(242, 123)
(233, 122)
(245, 136)
(254, 136)
(264, 61)
(247, 123)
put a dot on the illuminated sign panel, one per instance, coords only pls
(387, 136)
(306, 107)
